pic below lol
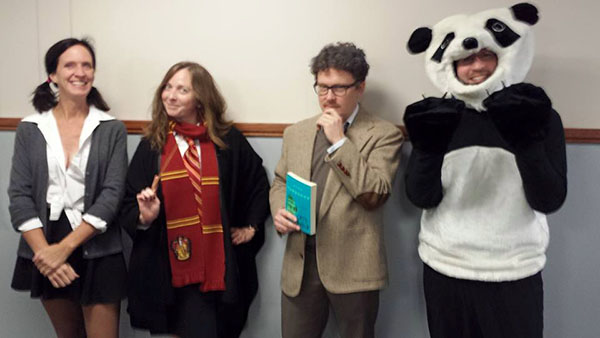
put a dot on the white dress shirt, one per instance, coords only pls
(66, 186)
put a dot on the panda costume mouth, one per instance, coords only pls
(505, 31)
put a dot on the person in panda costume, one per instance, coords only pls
(488, 163)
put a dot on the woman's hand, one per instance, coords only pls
(63, 276)
(242, 235)
(149, 203)
(50, 258)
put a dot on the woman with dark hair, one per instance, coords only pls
(196, 234)
(66, 184)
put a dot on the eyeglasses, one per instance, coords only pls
(483, 55)
(337, 90)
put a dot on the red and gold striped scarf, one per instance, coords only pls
(190, 186)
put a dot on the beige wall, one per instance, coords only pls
(259, 50)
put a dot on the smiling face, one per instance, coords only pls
(74, 73)
(178, 98)
(507, 32)
(476, 68)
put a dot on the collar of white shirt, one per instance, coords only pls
(353, 115)
(95, 115)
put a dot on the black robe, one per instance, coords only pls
(244, 194)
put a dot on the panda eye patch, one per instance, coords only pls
(437, 56)
(503, 35)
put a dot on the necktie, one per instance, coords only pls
(191, 161)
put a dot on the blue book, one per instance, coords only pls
(300, 200)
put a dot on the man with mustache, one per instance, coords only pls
(353, 157)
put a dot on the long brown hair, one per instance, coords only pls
(211, 107)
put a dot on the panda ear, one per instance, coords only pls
(525, 12)
(419, 40)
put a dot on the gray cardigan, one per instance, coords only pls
(104, 183)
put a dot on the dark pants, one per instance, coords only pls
(194, 313)
(305, 316)
(474, 309)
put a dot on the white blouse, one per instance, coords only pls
(66, 186)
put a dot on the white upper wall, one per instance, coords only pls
(259, 50)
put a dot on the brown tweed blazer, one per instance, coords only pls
(349, 243)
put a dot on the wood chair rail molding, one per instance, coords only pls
(572, 135)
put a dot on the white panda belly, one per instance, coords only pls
(483, 229)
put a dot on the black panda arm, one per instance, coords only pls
(431, 124)
(543, 168)
(424, 178)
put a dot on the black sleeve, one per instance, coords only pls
(543, 168)
(143, 167)
(149, 277)
(252, 192)
(424, 178)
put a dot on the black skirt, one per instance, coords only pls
(101, 280)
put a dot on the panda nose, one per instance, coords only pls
(470, 43)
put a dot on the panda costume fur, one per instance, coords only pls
(488, 163)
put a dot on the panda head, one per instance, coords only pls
(504, 31)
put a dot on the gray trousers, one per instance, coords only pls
(305, 316)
